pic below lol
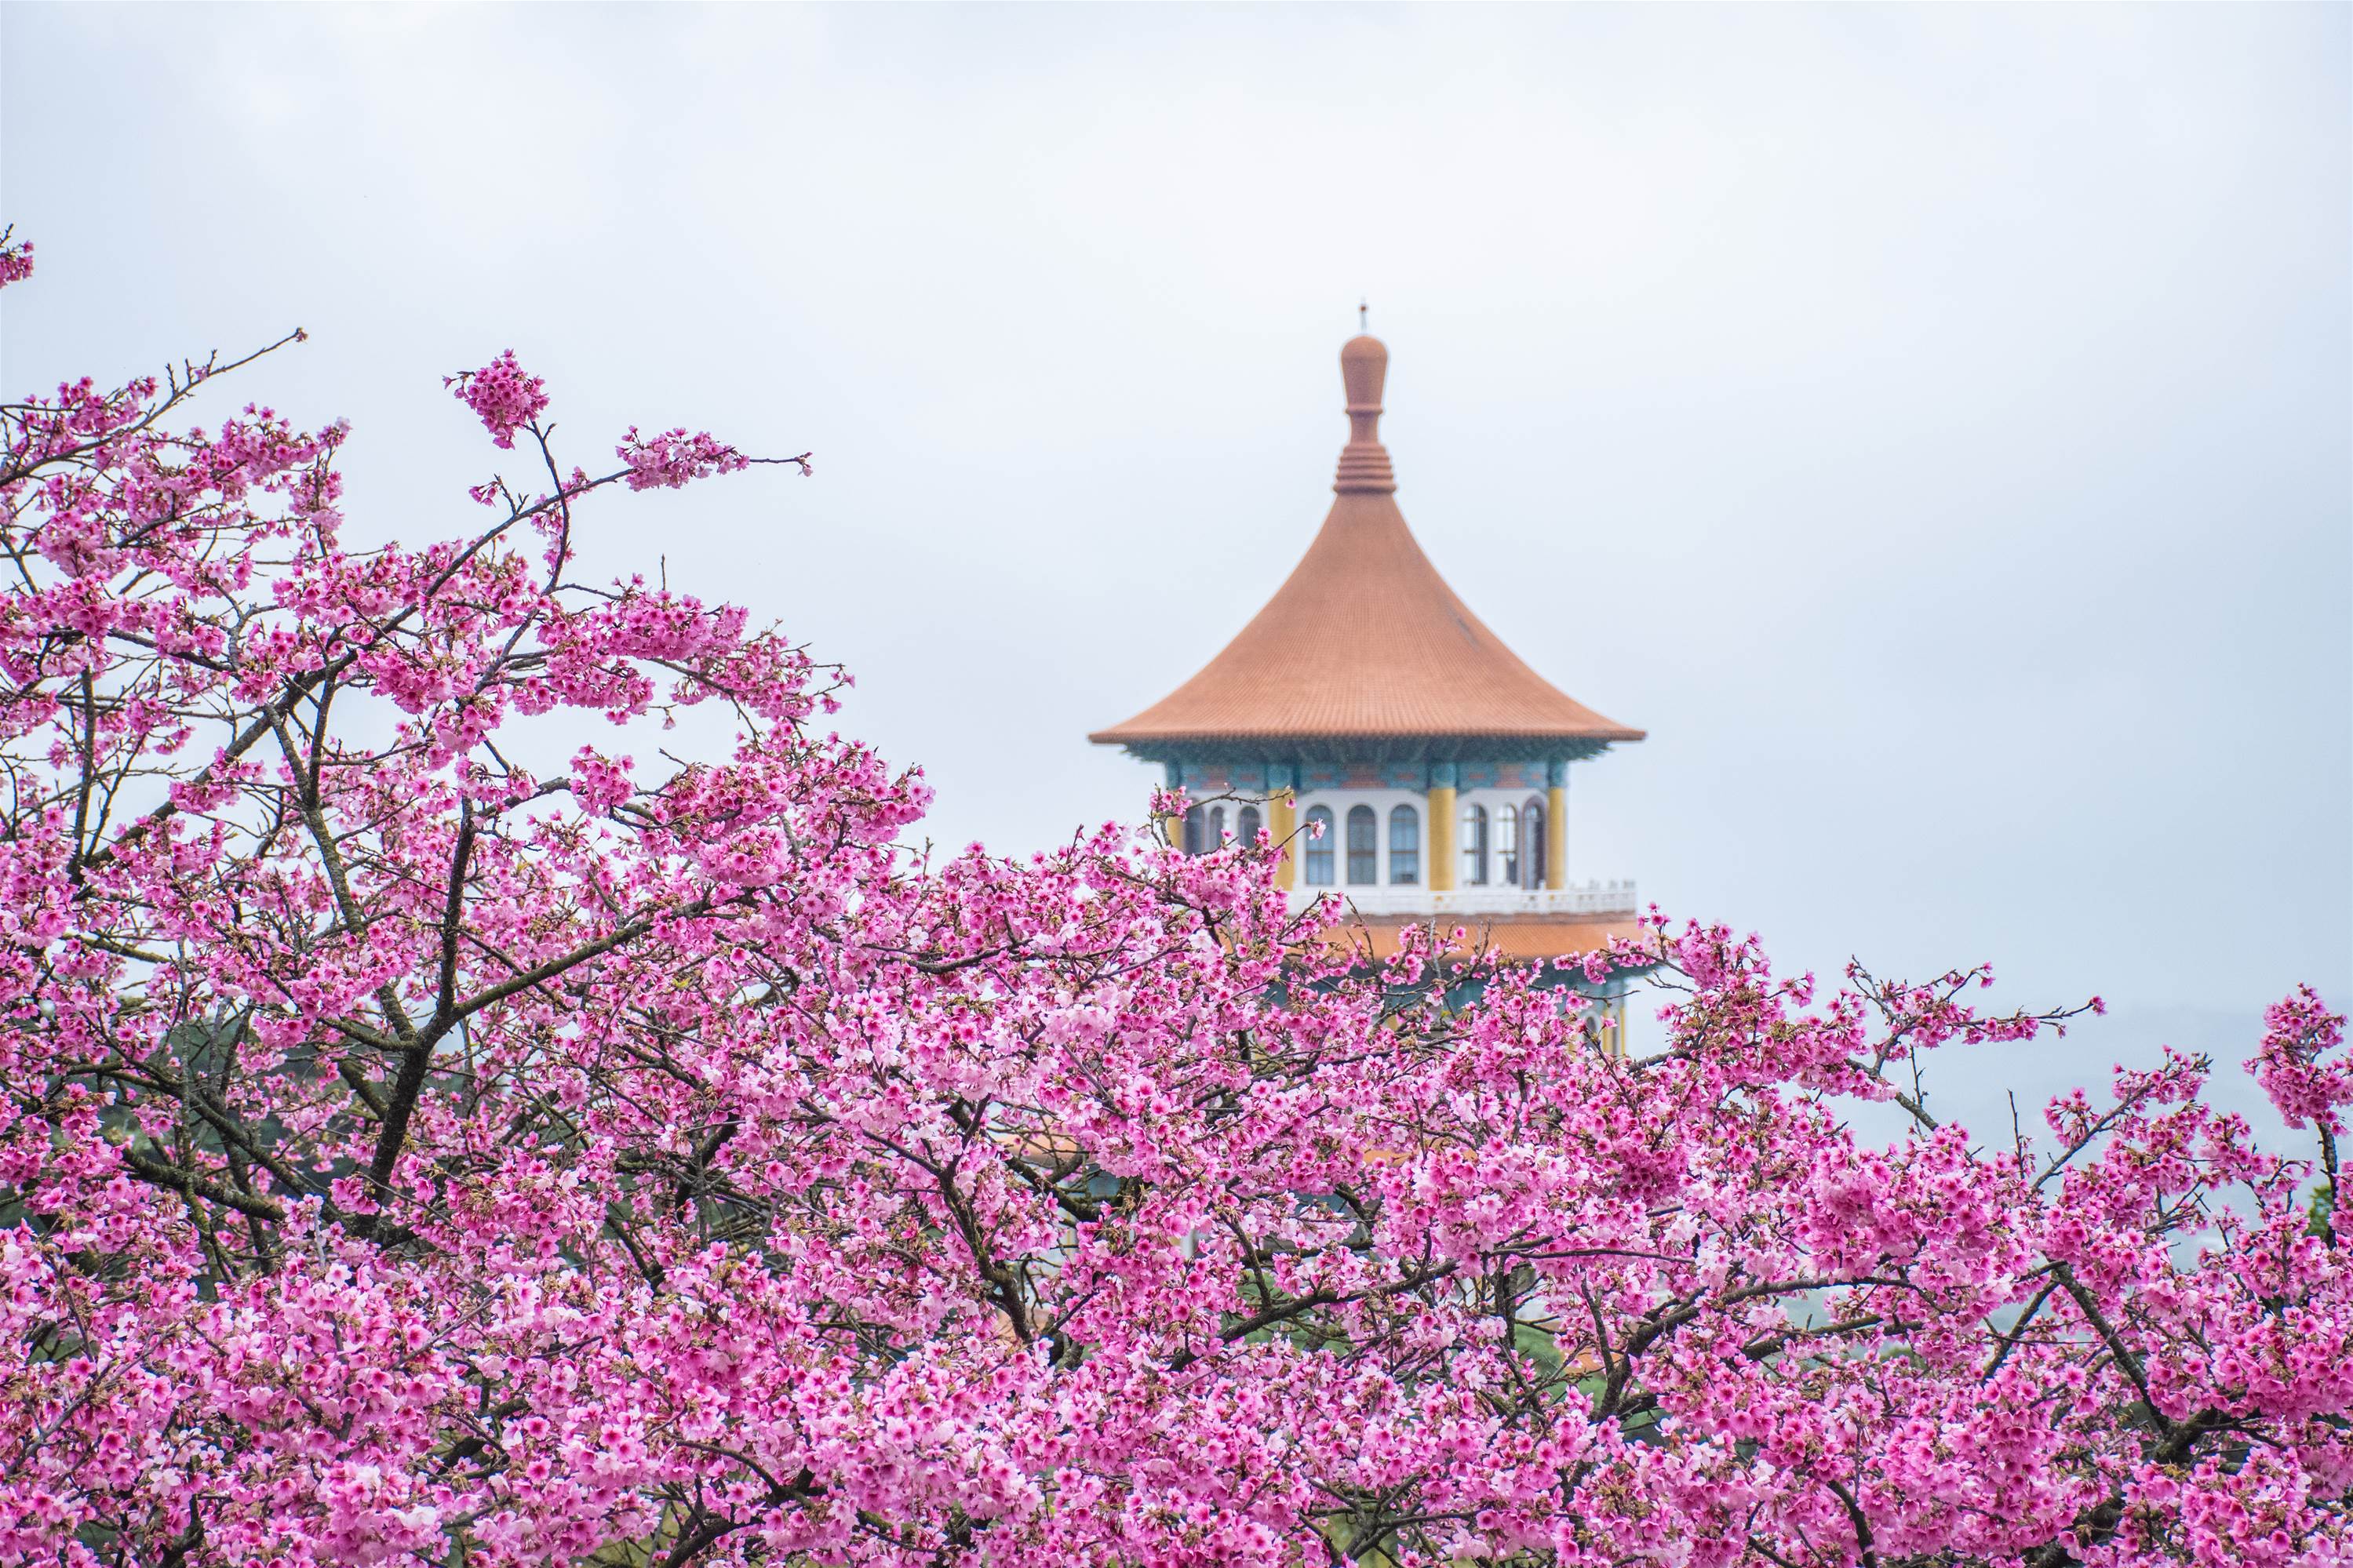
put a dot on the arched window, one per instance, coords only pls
(1532, 826)
(1364, 848)
(1245, 826)
(1507, 843)
(1405, 844)
(1475, 845)
(1197, 824)
(1215, 839)
(1318, 857)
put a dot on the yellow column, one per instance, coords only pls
(1557, 835)
(1442, 826)
(1174, 825)
(1283, 821)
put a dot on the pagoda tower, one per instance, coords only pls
(1365, 699)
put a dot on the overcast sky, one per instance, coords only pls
(1930, 424)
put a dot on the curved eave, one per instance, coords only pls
(1293, 746)
(1133, 735)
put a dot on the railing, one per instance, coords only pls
(1591, 899)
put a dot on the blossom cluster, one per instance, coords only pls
(432, 1138)
(2303, 1066)
(16, 258)
(502, 395)
(674, 458)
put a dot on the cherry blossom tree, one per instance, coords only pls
(430, 1138)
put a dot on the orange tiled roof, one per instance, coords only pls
(1365, 639)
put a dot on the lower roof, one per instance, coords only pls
(1519, 938)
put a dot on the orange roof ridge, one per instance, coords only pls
(1364, 641)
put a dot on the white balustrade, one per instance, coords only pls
(1612, 898)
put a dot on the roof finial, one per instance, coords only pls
(1364, 462)
(1362, 311)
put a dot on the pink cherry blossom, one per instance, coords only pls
(430, 1137)
(16, 258)
(674, 458)
(502, 396)
(2302, 1063)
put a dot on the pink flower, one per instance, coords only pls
(2298, 1033)
(674, 458)
(15, 259)
(502, 396)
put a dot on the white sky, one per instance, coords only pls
(1931, 424)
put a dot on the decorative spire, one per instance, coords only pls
(1363, 461)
